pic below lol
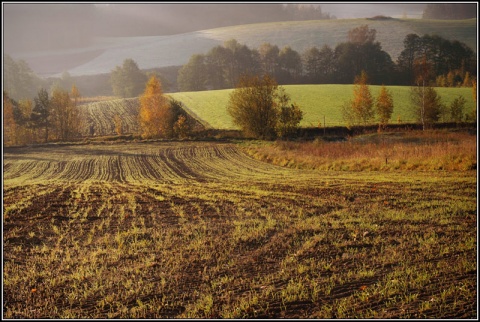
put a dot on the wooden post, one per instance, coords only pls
(324, 125)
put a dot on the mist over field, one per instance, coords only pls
(34, 26)
(53, 38)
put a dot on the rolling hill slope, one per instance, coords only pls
(161, 51)
(318, 102)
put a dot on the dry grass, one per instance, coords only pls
(430, 150)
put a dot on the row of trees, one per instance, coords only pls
(54, 117)
(363, 107)
(19, 81)
(453, 62)
(427, 104)
(450, 11)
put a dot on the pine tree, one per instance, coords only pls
(40, 118)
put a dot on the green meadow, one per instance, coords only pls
(318, 102)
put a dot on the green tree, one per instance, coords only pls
(311, 64)
(193, 75)
(19, 80)
(450, 11)
(290, 64)
(216, 62)
(127, 80)
(427, 105)
(384, 106)
(326, 64)
(181, 125)
(406, 59)
(457, 109)
(255, 106)
(269, 58)
(362, 52)
(41, 113)
(289, 115)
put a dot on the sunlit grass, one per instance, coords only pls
(320, 103)
(431, 150)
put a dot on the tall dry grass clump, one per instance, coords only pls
(430, 150)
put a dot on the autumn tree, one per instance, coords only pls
(26, 133)
(473, 114)
(65, 116)
(384, 106)
(255, 106)
(182, 125)
(9, 124)
(361, 35)
(155, 113)
(360, 109)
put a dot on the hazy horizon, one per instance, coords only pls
(43, 26)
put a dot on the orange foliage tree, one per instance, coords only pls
(155, 114)
(9, 124)
(384, 105)
(360, 108)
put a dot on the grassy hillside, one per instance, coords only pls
(316, 101)
(161, 51)
(209, 107)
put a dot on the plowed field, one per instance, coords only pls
(195, 230)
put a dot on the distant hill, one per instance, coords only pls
(160, 51)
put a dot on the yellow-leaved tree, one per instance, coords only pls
(384, 105)
(155, 113)
(362, 103)
(360, 108)
(9, 124)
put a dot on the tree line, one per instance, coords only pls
(453, 62)
(450, 11)
(48, 117)
(426, 103)
(56, 117)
